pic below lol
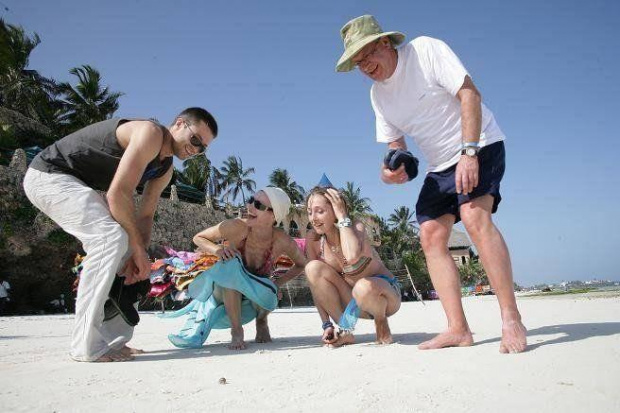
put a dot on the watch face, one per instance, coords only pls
(471, 151)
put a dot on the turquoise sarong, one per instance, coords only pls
(206, 313)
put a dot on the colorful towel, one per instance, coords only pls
(206, 313)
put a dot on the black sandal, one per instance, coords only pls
(122, 300)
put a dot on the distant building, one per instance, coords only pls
(460, 247)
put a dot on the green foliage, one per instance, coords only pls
(415, 261)
(88, 101)
(59, 238)
(26, 213)
(235, 179)
(359, 206)
(23, 89)
(472, 273)
(281, 179)
(46, 109)
(196, 172)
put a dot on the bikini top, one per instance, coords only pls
(268, 262)
(351, 270)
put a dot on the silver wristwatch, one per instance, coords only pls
(344, 222)
(470, 148)
(470, 151)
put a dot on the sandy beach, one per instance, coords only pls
(573, 365)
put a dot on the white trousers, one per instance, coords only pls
(83, 213)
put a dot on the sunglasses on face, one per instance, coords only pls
(195, 140)
(258, 204)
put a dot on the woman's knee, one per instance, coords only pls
(315, 270)
(364, 288)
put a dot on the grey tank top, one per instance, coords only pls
(92, 154)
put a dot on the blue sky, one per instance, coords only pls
(548, 70)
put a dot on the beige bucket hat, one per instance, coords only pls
(359, 32)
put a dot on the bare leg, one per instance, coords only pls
(232, 304)
(262, 328)
(495, 258)
(434, 236)
(331, 294)
(329, 291)
(377, 298)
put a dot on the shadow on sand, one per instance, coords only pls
(569, 333)
(279, 344)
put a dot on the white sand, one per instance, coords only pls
(573, 365)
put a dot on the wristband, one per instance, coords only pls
(327, 324)
(344, 222)
(471, 145)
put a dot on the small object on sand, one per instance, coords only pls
(223, 380)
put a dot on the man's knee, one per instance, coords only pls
(477, 223)
(433, 235)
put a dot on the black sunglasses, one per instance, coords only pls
(195, 140)
(258, 204)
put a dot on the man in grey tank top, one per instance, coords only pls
(116, 156)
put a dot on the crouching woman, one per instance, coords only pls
(346, 276)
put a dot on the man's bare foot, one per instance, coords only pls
(448, 338)
(237, 342)
(344, 338)
(513, 337)
(384, 335)
(130, 351)
(114, 356)
(262, 331)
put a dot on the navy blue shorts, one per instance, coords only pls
(438, 195)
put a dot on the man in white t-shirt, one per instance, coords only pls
(422, 90)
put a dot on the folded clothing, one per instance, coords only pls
(394, 158)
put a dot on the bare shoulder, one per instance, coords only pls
(140, 132)
(235, 227)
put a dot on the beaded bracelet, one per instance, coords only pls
(327, 324)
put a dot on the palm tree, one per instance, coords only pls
(358, 205)
(88, 101)
(402, 219)
(21, 89)
(196, 173)
(281, 179)
(235, 178)
(405, 234)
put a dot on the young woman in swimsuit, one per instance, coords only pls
(259, 243)
(344, 266)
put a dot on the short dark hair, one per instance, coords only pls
(194, 115)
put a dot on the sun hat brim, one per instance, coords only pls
(344, 63)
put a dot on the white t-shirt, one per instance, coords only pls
(4, 289)
(419, 100)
